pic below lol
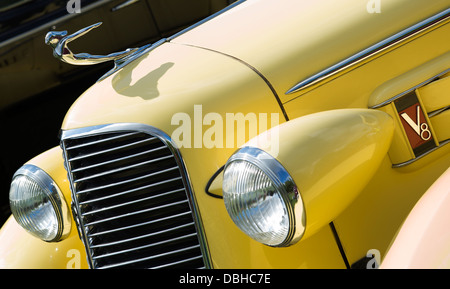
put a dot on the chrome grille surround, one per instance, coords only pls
(131, 198)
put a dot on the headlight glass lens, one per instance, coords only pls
(36, 203)
(261, 198)
(254, 203)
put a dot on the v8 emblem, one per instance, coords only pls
(415, 123)
(420, 128)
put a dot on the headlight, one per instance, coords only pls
(38, 205)
(262, 199)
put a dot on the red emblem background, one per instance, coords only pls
(414, 139)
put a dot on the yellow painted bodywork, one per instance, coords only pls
(340, 152)
(288, 41)
(21, 250)
(223, 66)
(176, 89)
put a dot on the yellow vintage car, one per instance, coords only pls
(273, 134)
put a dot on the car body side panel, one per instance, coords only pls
(375, 216)
(292, 48)
(296, 39)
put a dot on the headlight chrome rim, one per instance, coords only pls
(53, 193)
(283, 183)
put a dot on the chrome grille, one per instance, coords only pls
(130, 201)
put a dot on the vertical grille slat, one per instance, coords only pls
(130, 201)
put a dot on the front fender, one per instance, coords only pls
(19, 249)
(424, 238)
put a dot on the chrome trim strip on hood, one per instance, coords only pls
(370, 51)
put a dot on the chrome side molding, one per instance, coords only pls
(59, 41)
(369, 52)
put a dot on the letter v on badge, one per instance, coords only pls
(415, 123)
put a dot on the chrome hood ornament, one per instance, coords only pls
(59, 40)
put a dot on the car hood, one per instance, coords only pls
(171, 83)
(288, 41)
